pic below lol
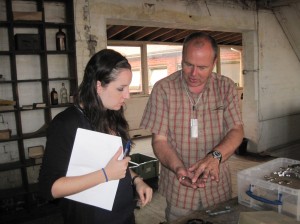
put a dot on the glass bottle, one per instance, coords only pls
(60, 40)
(63, 94)
(71, 98)
(54, 97)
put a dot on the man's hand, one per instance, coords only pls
(185, 177)
(203, 169)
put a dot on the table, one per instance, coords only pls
(227, 218)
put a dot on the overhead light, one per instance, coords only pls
(236, 50)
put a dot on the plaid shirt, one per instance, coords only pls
(169, 112)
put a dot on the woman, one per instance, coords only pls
(99, 107)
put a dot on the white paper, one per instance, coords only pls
(92, 151)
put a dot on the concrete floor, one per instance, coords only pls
(154, 212)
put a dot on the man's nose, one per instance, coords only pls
(194, 70)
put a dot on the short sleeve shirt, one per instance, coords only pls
(169, 113)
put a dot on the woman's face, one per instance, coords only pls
(114, 94)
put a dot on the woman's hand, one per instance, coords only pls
(144, 191)
(116, 169)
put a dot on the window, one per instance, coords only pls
(156, 74)
(133, 54)
(161, 60)
(230, 63)
(136, 82)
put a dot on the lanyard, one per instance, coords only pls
(194, 104)
(194, 121)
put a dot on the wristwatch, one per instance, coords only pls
(216, 154)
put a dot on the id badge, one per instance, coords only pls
(194, 128)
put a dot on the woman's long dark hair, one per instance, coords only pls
(104, 66)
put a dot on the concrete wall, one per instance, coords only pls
(92, 17)
(271, 102)
(278, 86)
(270, 106)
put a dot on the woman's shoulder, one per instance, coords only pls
(68, 114)
(67, 122)
(70, 118)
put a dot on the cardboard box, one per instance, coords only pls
(36, 152)
(29, 16)
(255, 191)
(145, 166)
(5, 134)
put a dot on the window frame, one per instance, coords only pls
(144, 62)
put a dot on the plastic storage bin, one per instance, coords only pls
(145, 166)
(256, 192)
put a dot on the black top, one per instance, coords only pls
(60, 138)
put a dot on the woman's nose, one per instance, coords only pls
(126, 94)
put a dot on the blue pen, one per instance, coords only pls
(127, 149)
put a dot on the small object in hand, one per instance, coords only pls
(186, 178)
(186, 181)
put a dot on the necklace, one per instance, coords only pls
(190, 98)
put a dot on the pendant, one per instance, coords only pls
(194, 128)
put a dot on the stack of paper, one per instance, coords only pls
(91, 152)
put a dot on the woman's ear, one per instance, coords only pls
(99, 87)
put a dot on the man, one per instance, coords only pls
(196, 124)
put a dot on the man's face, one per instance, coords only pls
(198, 63)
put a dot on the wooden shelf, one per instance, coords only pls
(19, 89)
(18, 164)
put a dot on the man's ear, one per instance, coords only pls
(215, 61)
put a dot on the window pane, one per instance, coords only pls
(136, 82)
(162, 60)
(156, 74)
(230, 62)
(133, 54)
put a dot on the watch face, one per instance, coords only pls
(217, 155)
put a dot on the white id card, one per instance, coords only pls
(194, 128)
